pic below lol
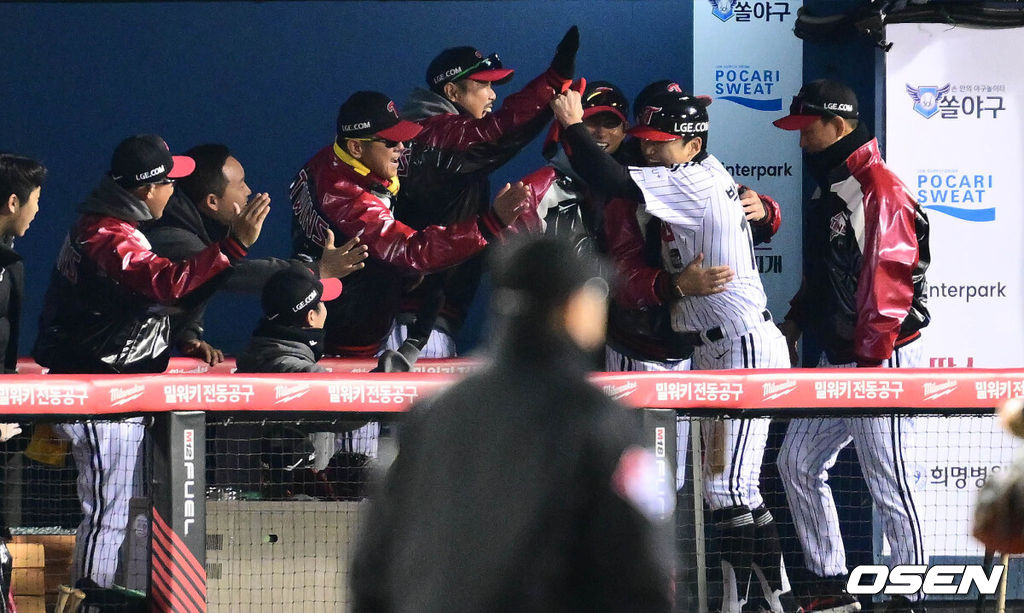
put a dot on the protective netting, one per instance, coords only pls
(276, 498)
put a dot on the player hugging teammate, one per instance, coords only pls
(692, 193)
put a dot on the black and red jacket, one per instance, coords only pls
(330, 193)
(445, 177)
(107, 306)
(865, 254)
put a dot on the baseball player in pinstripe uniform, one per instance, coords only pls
(863, 299)
(690, 190)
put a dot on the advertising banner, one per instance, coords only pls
(955, 137)
(747, 59)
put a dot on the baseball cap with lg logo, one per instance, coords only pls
(368, 113)
(146, 158)
(817, 99)
(457, 63)
(292, 292)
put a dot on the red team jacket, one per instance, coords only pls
(865, 256)
(445, 177)
(101, 310)
(329, 193)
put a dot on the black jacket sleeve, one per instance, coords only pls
(596, 167)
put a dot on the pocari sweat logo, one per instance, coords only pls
(755, 88)
(722, 9)
(957, 194)
(926, 98)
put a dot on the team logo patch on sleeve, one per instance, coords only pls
(643, 483)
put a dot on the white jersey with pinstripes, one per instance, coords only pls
(700, 203)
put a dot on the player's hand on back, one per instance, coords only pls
(249, 219)
(695, 280)
(339, 262)
(568, 107)
(753, 208)
(511, 201)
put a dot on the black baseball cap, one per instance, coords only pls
(368, 113)
(664, 86)
(457, 63)
(669, 115)
(817, 99)
(145, 158)
(603, 97)
(292, 292)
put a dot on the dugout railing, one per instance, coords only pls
(289, 548)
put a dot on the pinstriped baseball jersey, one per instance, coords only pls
(700, 202)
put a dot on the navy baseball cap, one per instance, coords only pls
(457, 63)
(817, 99)
(668, 116)
(603, 97)
(368, 113)
(146, 158)
(292, 292)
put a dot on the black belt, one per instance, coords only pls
(696, 339)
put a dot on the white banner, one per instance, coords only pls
(747, 59)
(954, 135)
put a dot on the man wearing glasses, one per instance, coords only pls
(106, 312)
(449, 163)
(349, 187)
(863, 300)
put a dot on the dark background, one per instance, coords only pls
(266, 78)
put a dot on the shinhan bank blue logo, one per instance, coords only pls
(722, 9)
(948, 191)
(926, 98)
(753, 88)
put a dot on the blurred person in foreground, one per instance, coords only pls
(523, 487)
(999, 512)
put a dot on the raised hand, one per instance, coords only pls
(568, 107)
(564, 62)
(249, 219)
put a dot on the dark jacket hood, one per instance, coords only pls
(111, 200)
(181, 212)
(424, 103)
(271, 342)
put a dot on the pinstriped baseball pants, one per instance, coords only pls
(884, 446)
(105, 453)
(745, 439)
